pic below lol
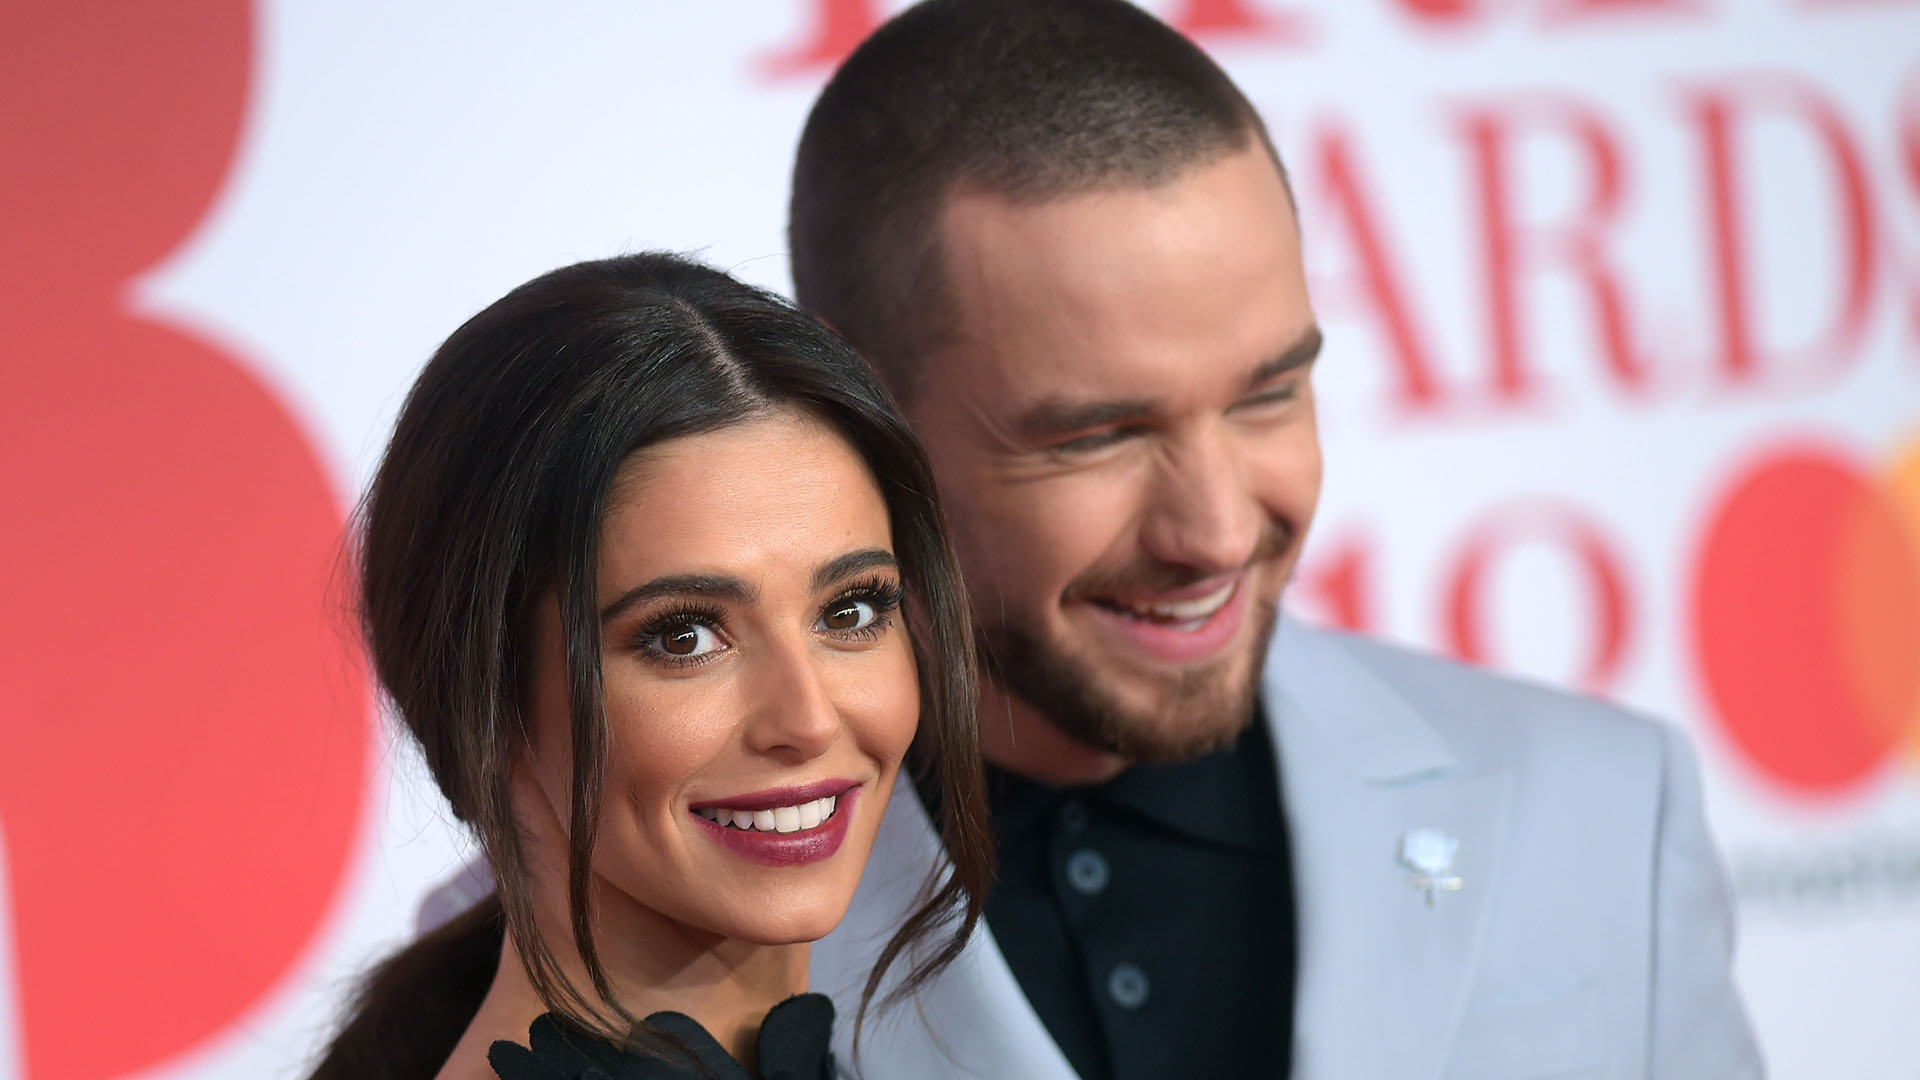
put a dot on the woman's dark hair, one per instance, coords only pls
(491, 496)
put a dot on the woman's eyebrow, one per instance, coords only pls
(716, 586)
(733, 590)
(853, 562)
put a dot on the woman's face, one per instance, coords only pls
(759, 683)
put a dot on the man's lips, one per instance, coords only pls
(1198, 601)
(1179, 626)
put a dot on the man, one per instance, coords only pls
(1230, 846)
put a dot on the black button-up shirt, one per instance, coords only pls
(1150, 919)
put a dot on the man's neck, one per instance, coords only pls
(1016, 737)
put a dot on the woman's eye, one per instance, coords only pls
(848, 615)
(688, 640)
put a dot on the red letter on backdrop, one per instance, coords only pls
(1743, 357)
(186, 734)
(1457, 11)
(1339, 582)
(1511, 248)
(1338, 183)
(1451, 11)
(1559, 10)
(837, 27)
(1606, 583)
(1244, 18)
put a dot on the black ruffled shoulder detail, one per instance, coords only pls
(795, 1043)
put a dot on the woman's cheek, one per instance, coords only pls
(893, 713)
(660, 737)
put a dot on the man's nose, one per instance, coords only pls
(793, 714)
(1201, 510)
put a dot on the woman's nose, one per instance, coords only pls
(794, 713)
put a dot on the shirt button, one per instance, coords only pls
(1073, 815)
(1088, 872)
(1127, 986)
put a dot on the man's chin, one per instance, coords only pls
(1159, 717)
(1110, 701)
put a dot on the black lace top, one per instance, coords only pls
(794, 1044)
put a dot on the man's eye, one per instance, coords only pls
(1098, 440)
(1275, 396)
(848, 615)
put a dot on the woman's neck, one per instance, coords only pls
(652, 964)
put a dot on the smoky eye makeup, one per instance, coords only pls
(862, 611)
(689, 634)
(683, 635)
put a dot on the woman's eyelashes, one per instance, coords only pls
(684, 636)
(689, 635)
(861, 613)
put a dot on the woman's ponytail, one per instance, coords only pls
(413, 1008)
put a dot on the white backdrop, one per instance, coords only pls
(1623, 313)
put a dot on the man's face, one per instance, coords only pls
(1123, 430)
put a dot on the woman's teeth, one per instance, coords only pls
(1199, 609)
(807, 815)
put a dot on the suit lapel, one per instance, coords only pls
(1383, 977)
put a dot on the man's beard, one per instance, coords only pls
(1194, 713)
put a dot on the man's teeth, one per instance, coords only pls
(807, 815)
(1198, 609)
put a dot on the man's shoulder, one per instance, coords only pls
(1478, 713)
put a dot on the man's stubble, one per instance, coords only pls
(1195, 712)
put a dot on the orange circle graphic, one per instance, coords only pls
(1806, 615)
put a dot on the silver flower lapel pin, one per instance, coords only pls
(1428, 856)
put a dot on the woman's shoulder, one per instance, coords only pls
(794, 1043)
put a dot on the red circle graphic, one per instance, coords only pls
(186, 721)
(1806, 619)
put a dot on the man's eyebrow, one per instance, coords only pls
(1297, 355)
(716, 586)
(1059, 416)
(853, 562)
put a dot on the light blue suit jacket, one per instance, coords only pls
(1590, 936)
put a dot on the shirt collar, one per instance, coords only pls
(1229, 798)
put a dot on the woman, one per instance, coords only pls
(653, 572)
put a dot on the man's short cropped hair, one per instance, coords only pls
(1026, 100)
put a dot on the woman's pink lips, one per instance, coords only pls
(788, 849)
(774, 798)
(1178, 643)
